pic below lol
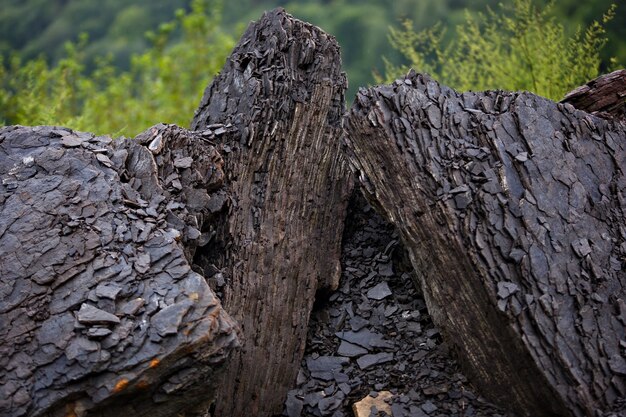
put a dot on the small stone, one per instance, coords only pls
(293, 405)
(390, 310)
(397, 410)
(581, 247)
(340, 377)
(345, 388)
(80, 347)
(617, 364)
(365, 338)
(104, 160)
(192, 233)
(219, 279)
(156, 145)
(368, 361)
(132, 307)
(364, 407)
(416, 412)
(98, 332)
(328, 404)
(385, 270)
(522, 157)
(350, 350)
(323, 366)
(506, 289)
(89, 314)
(142, 263)
(167, 320)
(108, 291)
(301, 378)
(313, 398)
(436, 389)
(379, 291)
(357, 323)
(414, 327)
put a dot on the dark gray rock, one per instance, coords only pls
(282, 89)
(379, 291)
(98, 332)
(365, 338)
(293, 405)
(329, 404)
(517, 205)
(367, 361)
(167, 320)
(323, 367)
(350, 350)
(357, 323)
(420, 358)
(429, 407)
(108, 291)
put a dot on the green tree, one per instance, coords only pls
(518, 47)
(163, 84)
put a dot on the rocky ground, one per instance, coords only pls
(373, 340)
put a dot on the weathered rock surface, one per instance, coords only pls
(100, 312)
(604, 96)
(512, 209)
(283, 90)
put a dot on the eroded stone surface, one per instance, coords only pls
(421, 373)
(97, 296)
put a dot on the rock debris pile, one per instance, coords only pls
(97, 297)
(512, 209)
(510, 206)
(373, 339)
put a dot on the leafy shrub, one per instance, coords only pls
(163, 84)
(517, 47)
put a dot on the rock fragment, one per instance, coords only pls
(364, 407)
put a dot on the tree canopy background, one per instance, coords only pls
(112, 63)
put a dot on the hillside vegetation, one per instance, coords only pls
(117, 67)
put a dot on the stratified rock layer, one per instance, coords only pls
(283, 90)
(512, 209)
(100, 310)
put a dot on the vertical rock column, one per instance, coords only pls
(283, 90)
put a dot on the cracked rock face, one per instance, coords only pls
(97, 297)
(512, 209)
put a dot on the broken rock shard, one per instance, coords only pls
(283, 90)
(96, 289)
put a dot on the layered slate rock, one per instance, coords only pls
(283, 90)
(100, 310)
(512, 210)
(604, 96)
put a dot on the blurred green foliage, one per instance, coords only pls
(163, 84)
(121, 81)
(515, 47)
